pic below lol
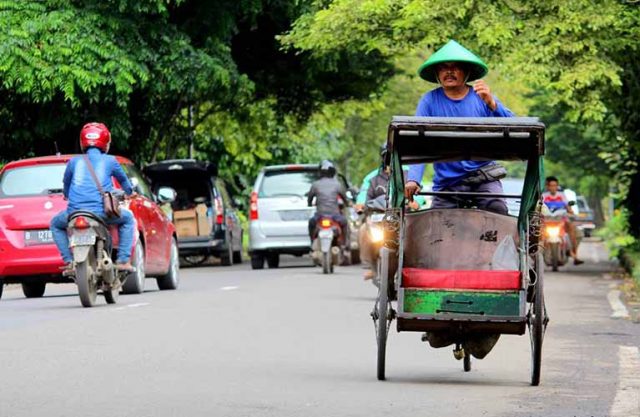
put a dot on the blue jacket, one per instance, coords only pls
(80, 188)
(435, 103)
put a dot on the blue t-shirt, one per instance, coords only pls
(435, 103)
(80, 187)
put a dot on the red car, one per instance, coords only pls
(31, 194)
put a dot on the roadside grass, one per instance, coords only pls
(626, 249)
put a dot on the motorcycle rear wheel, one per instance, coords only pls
(87, 287)
(327, 263)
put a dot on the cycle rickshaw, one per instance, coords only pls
(438, 265)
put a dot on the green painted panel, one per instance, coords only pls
(420, 301)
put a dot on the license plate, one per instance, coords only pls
(82, 240)
(38, 237)
(377, 217)
(295, 215)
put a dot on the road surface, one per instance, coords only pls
(293, 342)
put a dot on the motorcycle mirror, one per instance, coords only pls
(572, 203)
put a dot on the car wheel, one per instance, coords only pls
(257, 261)
(134, 284)
(273, 260)
(226, 258)
(171, 280)
(34, 289)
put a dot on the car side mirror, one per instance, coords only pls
(167, 195)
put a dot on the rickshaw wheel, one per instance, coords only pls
(467, 362)
(382, 307)
(537, 323)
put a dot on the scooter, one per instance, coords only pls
(374, 218)
(556, 242)
(326, 244)
(90, 239)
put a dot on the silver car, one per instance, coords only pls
(279, 215)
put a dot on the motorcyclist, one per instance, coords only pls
(326, 191)
(82, 193)
(555, 200)
(453, 67)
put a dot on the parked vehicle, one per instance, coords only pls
(584, 218)
(279, 215)
(513, 186)
(31, 194)
(205, 216)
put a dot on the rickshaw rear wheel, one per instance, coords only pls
(537, 323)
(383, 311)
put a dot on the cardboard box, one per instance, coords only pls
(186, 222)
(204, 225)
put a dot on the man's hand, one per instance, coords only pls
(411, 188)
(482, 89)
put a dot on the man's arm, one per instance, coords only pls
(121, 176)
(366, 183)
(68, 176)
(501, 110)
(311, 195)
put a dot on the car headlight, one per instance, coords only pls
(553, 231)
(377, 234)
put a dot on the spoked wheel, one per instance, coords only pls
(383, 313)
(467, 362)
(537, 322)
(87, 286)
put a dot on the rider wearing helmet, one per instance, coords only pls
(326, 191)
(82, 193)
(453, 67)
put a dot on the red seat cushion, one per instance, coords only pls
(470, 280)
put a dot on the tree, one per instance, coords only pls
(577, 57)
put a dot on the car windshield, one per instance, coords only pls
(287, 183)
(32, 180)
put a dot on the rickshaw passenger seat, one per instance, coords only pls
(470, 280)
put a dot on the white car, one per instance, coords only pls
(279, 215)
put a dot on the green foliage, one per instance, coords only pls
(615, 234)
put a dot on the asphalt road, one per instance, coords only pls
(293, 342)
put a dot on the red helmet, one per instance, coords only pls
(95, 135)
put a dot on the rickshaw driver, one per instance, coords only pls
(453, 66)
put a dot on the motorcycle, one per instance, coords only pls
(326, 244)
(374, 219)
(90, 239)
(557, 243)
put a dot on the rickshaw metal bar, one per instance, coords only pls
(468, 194)
(462, 318)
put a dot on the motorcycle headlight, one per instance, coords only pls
(377, 234)
(553, 231)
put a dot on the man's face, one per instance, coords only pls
(451, 74)
(552, 187)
